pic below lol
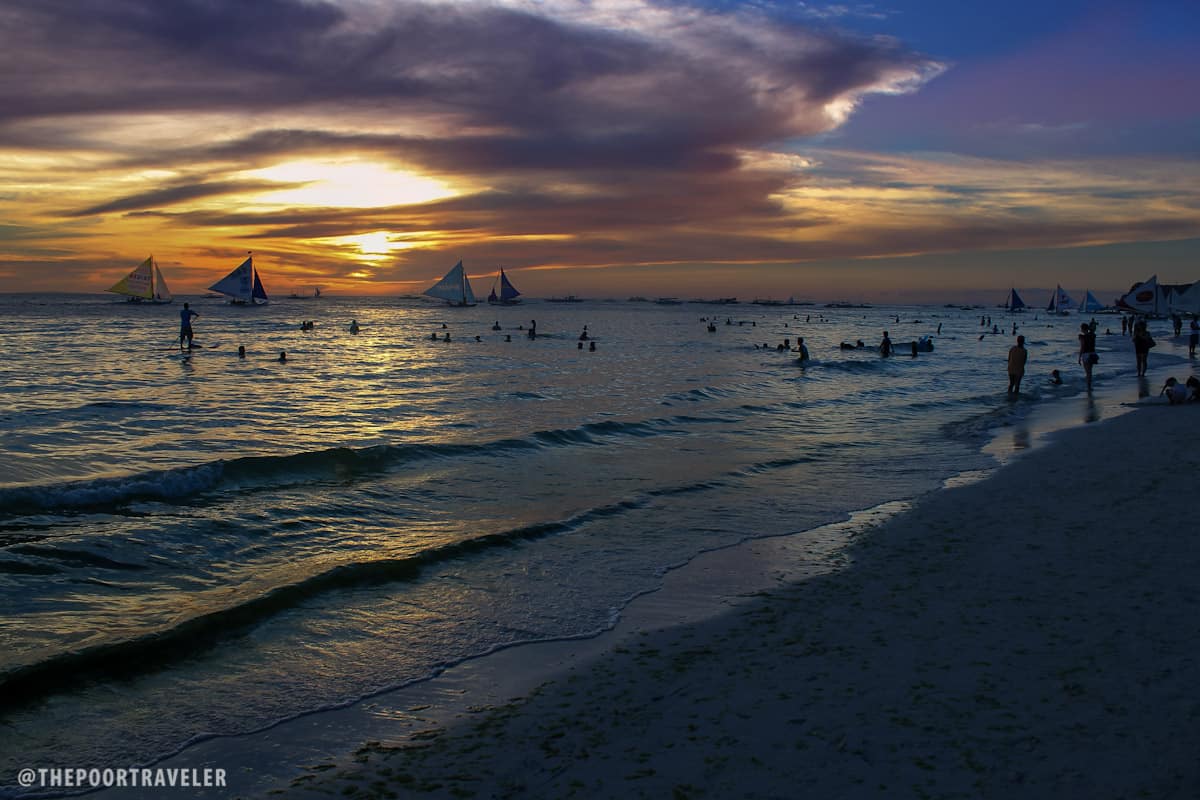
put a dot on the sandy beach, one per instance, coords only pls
(1030, 635)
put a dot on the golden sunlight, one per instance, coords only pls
(346, 184)
(374, 246)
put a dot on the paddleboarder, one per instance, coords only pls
(185, 325)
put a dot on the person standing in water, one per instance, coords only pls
(1017, 356)
(1087, 351)
(885, 347)
(185, 325)
(1142, 342)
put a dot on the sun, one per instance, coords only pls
(374, 246)
(346, 184)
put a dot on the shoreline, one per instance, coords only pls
(957, 654)
(313, 747)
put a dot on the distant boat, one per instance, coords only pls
(669, 301)
(316, 294)
(144, 285)
(568, 299)
(243, 286)
(454, 288)
(1060, 302)
(1014, 303)
(508, 293)
(1090, 304)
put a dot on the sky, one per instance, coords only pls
(907, 151)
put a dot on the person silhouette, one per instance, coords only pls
(185, 325)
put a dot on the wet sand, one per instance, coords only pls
(1036, 634)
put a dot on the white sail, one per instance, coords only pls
(1060, 301)
(1142, 298)
(1090, 303)
(1186, 299)
(161, 293)
(144, 283)
(454, 287)
(243, 285)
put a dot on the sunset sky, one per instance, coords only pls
(911, 150)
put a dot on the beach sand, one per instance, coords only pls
(1035, 634)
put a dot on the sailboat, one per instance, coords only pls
(1014, 303)
(243, 286)
(1090, 304)
(508, 292)
(454, 288)
(144, 285)
(1060, 302)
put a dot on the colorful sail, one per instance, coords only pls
(454, 287)
(144, 284)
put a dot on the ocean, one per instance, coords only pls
(197, 545)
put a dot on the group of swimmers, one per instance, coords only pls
(531, 332)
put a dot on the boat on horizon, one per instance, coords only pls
(1014, 301)
(568, 299)
(1091, 305)
(508, 293)
(145, 284)
(243, 286)
(1060, 302)
(316, 294)
(454, 288)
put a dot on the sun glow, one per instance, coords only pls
(374, 246)
(354, 184)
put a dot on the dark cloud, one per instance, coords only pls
(538, 78)
(170, 195)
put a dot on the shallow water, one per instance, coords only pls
(198, 544)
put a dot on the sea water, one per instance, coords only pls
(194, 543)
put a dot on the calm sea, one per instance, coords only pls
(195, 545)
